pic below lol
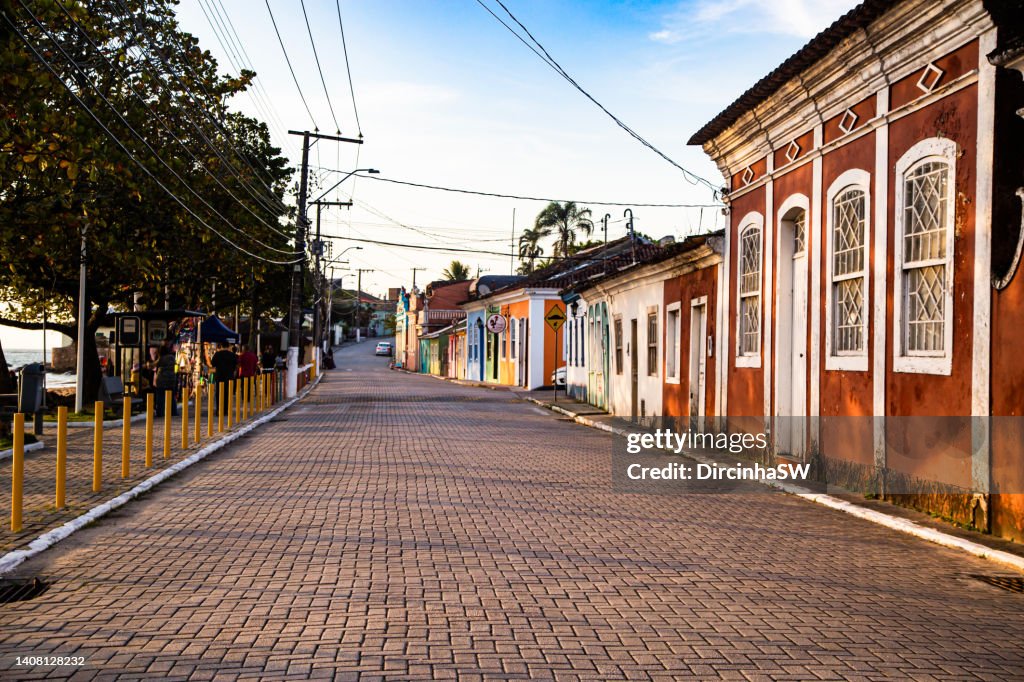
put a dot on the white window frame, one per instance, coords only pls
(858, 179)
(929, 150)
(751, 220)
(512, 338)
(670, 352)
(652, 312)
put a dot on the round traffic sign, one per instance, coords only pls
(496, 324)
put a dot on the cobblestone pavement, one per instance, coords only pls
(400, 526)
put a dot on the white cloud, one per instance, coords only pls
(705, 18)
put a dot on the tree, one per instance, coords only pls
(530, 249)
(564, 220)
(457, 271)
(158, 187)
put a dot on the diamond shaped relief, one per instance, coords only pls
(792, 151)
(930, 78)
(747, 176)
(848, 121)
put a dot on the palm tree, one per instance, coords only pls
(530, 249)
(564, 220)
(456, 271)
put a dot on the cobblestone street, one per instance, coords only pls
(396, 525)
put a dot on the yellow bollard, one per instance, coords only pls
(220, 406)
(209, 410)
(231, 400)
(238, 400)
(17, 470)
(126, 437)
(62, 454)
(150, 398)
(184, 417)
(97, 447)
(245, 401)
(199, 415)
(168, 397)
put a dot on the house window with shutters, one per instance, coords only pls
(925, 216)
(748, 342)
(618, 345)
(847, 272)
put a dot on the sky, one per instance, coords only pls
(448, 96)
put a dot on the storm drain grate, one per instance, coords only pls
(1012, 584)
(21, 589)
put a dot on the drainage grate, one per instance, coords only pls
(1010, 583)
(21, 589)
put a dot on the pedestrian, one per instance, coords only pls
(224, 364)
(165, 379)
(269, 359)
(248, 363)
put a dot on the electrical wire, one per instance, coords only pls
(528, 198)
(298, 87)
(166, 127)
(690, 176)
(117, 141)
(316, 57)
(348, 69)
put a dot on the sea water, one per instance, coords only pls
(19, 357)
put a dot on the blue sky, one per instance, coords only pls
(447, 96)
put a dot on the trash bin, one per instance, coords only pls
(30, 388)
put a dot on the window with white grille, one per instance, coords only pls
(925, 216)
(512, 325)
(799, 233)
(749, 328)
(652, 344)
(848, 265)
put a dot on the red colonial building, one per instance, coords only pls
(874, 234)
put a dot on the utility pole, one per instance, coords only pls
(80, 351)
(295, 316)
(512, 254)
(414, 276)
(359, 296)
(318, 249)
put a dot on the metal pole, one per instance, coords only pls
(605, 221)
(628, 213)
(80, 367)
(512, 254)
(295, 321)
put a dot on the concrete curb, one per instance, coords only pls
(11, 560)
(29, 447)
(892, 522)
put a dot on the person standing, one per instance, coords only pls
(165, 378)
(248, 363)
(224, 364)
(269, 358)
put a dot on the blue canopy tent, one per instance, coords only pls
(212, 330)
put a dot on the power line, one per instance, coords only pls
(166, 127)
(316, 57)
(117, 141)
(527, 198)
(351, 88)
(691, 177)
(290, 69)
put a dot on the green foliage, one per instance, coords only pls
(456, 271)
(62, 176)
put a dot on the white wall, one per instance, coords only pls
(633, 303)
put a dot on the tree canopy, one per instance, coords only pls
(457, 271)
(115, 128)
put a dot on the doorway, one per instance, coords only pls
(634, 374)
(791, 388)
(698, 361)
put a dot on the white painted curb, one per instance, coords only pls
(11, 560)
(892, 522)
(31, 447)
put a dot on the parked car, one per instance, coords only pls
(558, 377)
(384, 348)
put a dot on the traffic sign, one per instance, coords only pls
(496, 324)
(555, 318)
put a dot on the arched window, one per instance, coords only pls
(848, 237)
(925, 210)
(748, 351)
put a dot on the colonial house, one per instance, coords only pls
(874, 233)
(640, 339)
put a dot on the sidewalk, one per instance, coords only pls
(39, 513)
(899, 518)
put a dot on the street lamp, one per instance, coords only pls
(370, 171)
